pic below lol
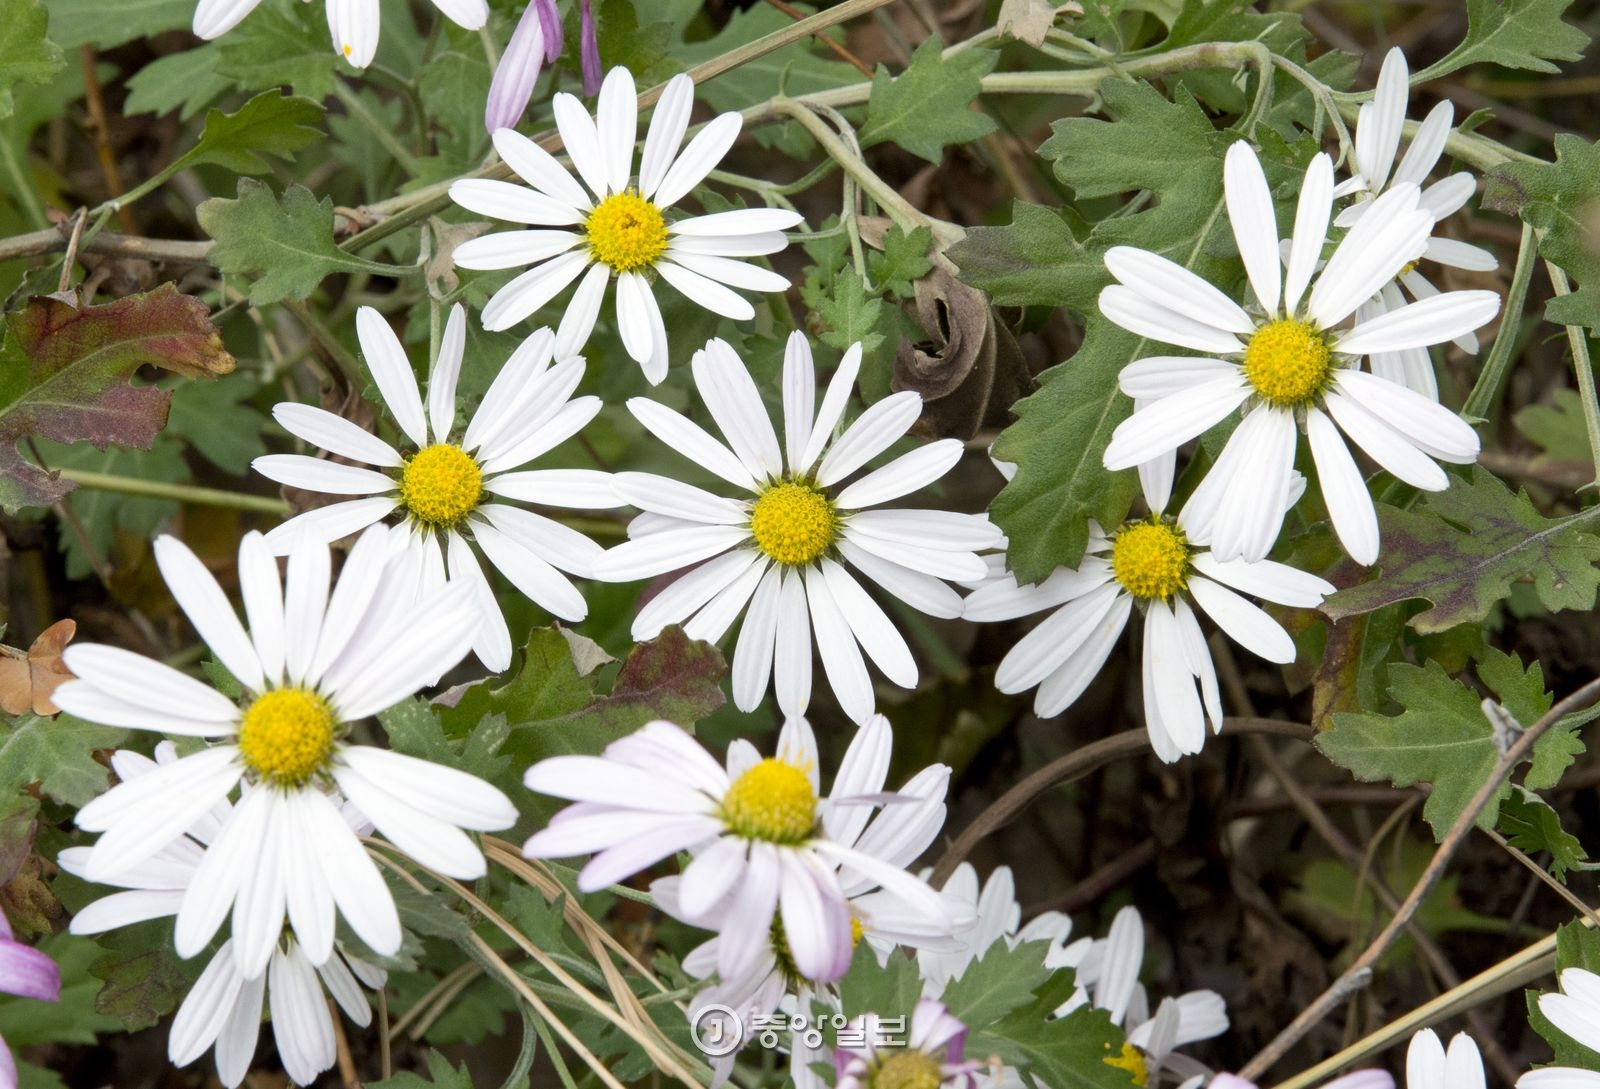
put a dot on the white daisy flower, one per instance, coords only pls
(928, 1058)
(1108, 977)
(897, 835)
(618, 226)
(997, 917)
(1576, 1012)
(454, 490)
(783, 552)
(223, 1010)
(1288, 361)
(1378, 129)
(1361, 1079)
(353, 24)
(769, 849)
(1163, 565)
(312, 663)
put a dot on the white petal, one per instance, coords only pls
(330, 523)
(557, 544)
(752, 655)
(354, 27)
(1253, 216)
(1247, 519)
(697, 160)
(301, 1024)
(583, 310)
(205, 1010)
(1463, 255)
(872, 628)
(1158, 376)
(1310, 230)
(305, 603)
(335, 434)
(514, 203)
(667, 126)
(391, 370)
(929, 559)
(1061, 688)
(582, 140)
(432, 842)
(1246, 624)
(663, 552)
(922, 592)
(706, 292)
(492, 638)
(578, 489)
(214, 18)
(956, 532)
(144, 682)
(358, 889)
(530, 291)
(1055, 640)
(832, 409)
(617, 123)
(1389, 448)
(1276, 582)
(318, 475)
(1393, 232)
(512, 249)
(207, 608)
(1172, 421)
(1386, 120)
(734, 402)
(1344, 489)
(679, 433)
(1175, 709)
(799, 396)
(903, 475)
(741, 274)
(740, 221)
(1420, 324)
(791, 659)
(1171, 285)
(873, 432)
(1137, 314)
(687, 594)
(539, 168)
(1427, 144)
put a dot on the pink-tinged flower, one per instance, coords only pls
(26, 973)
(929, 1056)
(537, 41)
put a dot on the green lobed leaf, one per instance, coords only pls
(1558, 430)
(1531, 826)
(142, 978)
(288, 246)
(1002, 979)
(903, 259)
(274, 47)
(186, 82)
(64, 376)
(58, 754)
(1071, 1052)
(441, 1075)
(1525, 34)
(270, 123)
(218, 423)
(928, 106)
(1462, 549)
(888, 990)
(90, 22)
(1562, 201)
(26, 55)
(1442, 737)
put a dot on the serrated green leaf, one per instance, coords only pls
(1441, 735)
(1462, 549)
(288, 246)
(88, 22)
(1531, 825)
(851, 315)
(213, 418)
(1002, 979)
(26, 54)
(928, 107)
(1577, 946)
(1035, 260)
(58, 754)
(903, 260)
(142, 978)
(1558, 430)
(1525, 34)
(1562, 201)
(888, 990)
(270, 123)
(1071, 1052)
(186, 82)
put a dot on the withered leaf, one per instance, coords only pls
(64, 375)
(27, 680)
(970, 362)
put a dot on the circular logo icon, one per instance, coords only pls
(717, 1030)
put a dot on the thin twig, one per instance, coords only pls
(1363, 965)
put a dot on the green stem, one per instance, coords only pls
(380, 131)
(1493, 375)
(25, 196)
(1582, 368)
(901, 210)
(183, 493)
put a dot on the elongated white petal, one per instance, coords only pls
(1158, 376)
(1389, 448)
(207, 608)
(539, 168)
(1393, 232)
(1427, 144)
(1253, 216)
(513, 249)
(1310, 230)
(697, 160)
(1386, 121)
(617, 124)
(330, 523)
(528, 292)
(514, 203)
(214, 18)
(1172, 421)
(353, 25)
(872, 628)
(1246, 624)
(1138, 314)
(581, 139)
(1247, 523)
(791, 658)
(753, 653)
(1420, 324)
(335, 434)
(663, 552)
(1344, 489)
(1061, 688)
(1267, 579)
(146, 683)
(391, 369)
(667, 126)
(1171, 285)
(740, 221)
(873, 432)
(902, 476)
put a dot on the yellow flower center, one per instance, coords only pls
(626, 232)
(907, 1070)
(441, 485)
(287, 736)
(773, 801)
(1287, 362)
(1150, 559)
(1132, 1061)
(794, 523)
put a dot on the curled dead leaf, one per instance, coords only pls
(969, 367)
(28, 679)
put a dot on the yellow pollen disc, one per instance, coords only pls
(626, 232)
(1150, 559)
(347, 49)
(1132, 1061)
(1287, 362)
(857, 931)
(441, 485)
(793, 523)
(773, 801)
(785, 959)
(907, 1070)
(1410, 266)
(287, 736)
